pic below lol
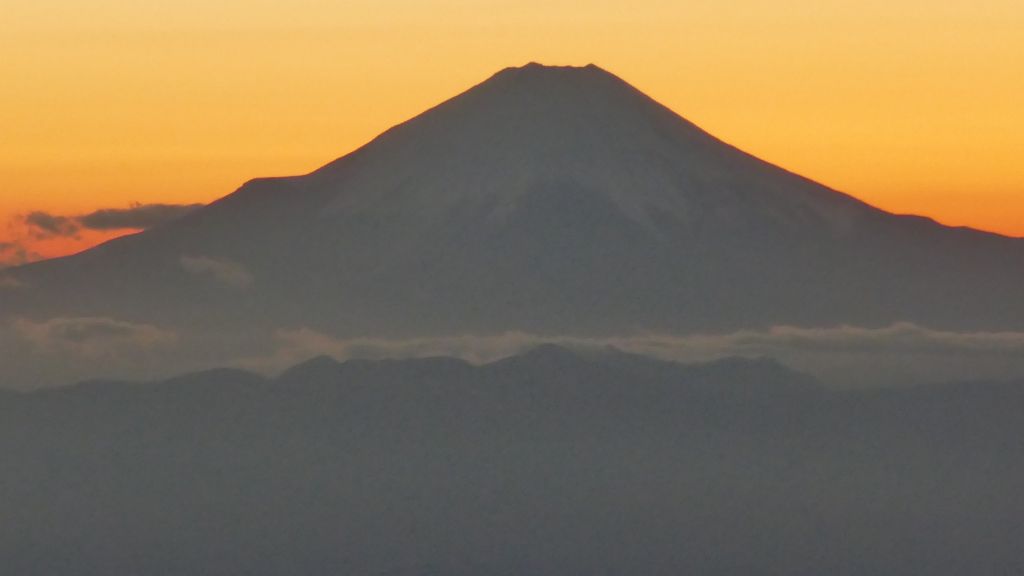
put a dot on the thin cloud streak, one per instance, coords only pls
(902, 354)
(44, 225)
(15, 254)
(92, 337)
(845, 356)
(10, 283)
(223, 271)
(137, 216)
(901, 338)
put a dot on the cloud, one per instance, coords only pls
(901, 338)
(16, 254)
(298, 345)
(63, 350)
(92, 337)
(10, 283)
(136, 216)
(222, 270)
(43, 225)
(902, 353)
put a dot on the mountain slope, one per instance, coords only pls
(553, 200)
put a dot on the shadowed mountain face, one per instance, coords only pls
(551, 200)
(549, 463)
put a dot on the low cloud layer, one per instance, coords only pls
(221, 270)
(846, 355)
(93, 338)
(65, 350)
(37, 353)
(43, 225)
(900, 338)
(10, 282)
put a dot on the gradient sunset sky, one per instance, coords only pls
(911, 105)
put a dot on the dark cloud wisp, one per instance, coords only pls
(135, 217)
(46, 225)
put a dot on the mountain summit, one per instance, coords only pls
(557, 200)
(546, 130)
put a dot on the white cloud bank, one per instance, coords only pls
(65, 350)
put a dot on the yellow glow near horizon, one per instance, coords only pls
(913, 106)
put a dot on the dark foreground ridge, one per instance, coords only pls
(549, 463)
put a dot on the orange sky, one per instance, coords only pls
(912, 105)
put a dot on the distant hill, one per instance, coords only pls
(552, 462)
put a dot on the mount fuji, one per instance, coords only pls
(550, 200)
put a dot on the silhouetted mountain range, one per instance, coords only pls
(551, 462)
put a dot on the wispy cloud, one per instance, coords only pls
(222, 270)
(894, 352)
(136, 216)
(902, 338)
(46, 225)
(10, 282)
(91, 337)
(15, 254)
(43, 225)
(844, 356)
(294, 346)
